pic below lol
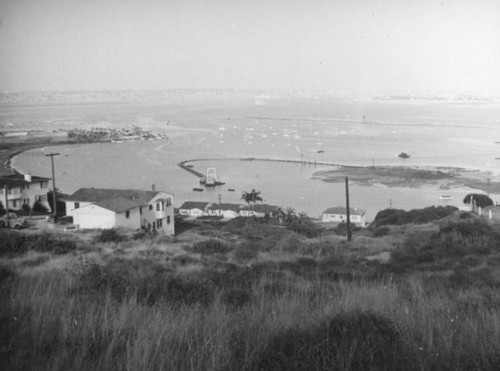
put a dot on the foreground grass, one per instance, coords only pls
(226, 308)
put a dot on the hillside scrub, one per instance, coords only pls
(214, 304)
(416, 216)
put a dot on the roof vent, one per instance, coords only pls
(27, 177)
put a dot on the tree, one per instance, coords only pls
(38, 207)
(290, 214)
(478, 199)
(251, 197)
(2, 209)
(302, 216)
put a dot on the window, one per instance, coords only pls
(157, 206)
(168, 219)
(14, 204)
(169, 202)
(77, 205)
(163, 206)
(140, 210)
(159, 223)
(127, 214)
(150, 207)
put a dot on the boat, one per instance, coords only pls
(230, 190)
(404, 155)
(198, 189)
(445, 197)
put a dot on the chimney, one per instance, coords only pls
(27, 177)
(153, 187)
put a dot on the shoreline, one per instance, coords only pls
(390, 176)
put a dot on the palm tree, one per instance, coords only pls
(290, 214)
(302, 216)
(251, 197)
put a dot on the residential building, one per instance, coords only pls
(194, 208)
(226, 210)
(259, 210)
(24, 189)
(339, 215)
(98, 208)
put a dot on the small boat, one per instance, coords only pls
(445, 197)
(198, 189)
(404, 155)
(230, 190)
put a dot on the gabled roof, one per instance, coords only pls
(101, 194)
(117, 200)
(189, 205)
(340, 210)
(16, 180)
(224, 207)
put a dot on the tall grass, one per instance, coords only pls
(287, 322)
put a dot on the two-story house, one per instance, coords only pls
(98, 208)
(24, 189)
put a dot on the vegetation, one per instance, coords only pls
(2, 209)
(417, 216)
(478, 199)
(251, 197)
(254, 296)
(38, 207)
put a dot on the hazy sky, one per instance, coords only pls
(357, 46)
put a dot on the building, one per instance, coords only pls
(260, 210)
(24, 189)
(490, 212)
(339, 215)
(194, 208)
(97, 208)
(228, 211)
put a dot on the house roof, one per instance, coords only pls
(117, 200)
(225, 207)
(16, 180)
(189, 205)
(340, 210)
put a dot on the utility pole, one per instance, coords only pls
(488, 189)
(51, 155)
(6, 206)
(348, 211)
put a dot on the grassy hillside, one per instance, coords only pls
(253, 296)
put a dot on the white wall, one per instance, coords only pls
(94, 217)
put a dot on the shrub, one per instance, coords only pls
(245, 251)
(7, 273)
(14, 243)
(349, 341)
(306, 229)
(381, 231)
(417, 216)
(479, 199)
(38, 207)
(109, 235)
(26, 208)
(209, 247)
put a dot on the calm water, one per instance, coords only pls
(347, 131)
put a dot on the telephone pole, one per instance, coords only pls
(54, 209)
(348, 211)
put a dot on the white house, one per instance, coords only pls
(194, 208)
(98, 208)
(24, 189)
(339, 215)
(225, 210)
(259, 210)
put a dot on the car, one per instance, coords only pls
(14, 221)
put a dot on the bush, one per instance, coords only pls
(209, 247)
(245, 251)
(381, 231)
(349, 341)
(26, 208)
(479, 199)
(306, 229)
(15, 243)
(38, 207)
(109, 235)
(416, 216)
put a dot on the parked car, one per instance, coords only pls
(14, 221)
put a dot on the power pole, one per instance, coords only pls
(51, 155)
(6, 206)
(348, 211)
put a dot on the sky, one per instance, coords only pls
(386, 46)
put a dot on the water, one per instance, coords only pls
(339, 131)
